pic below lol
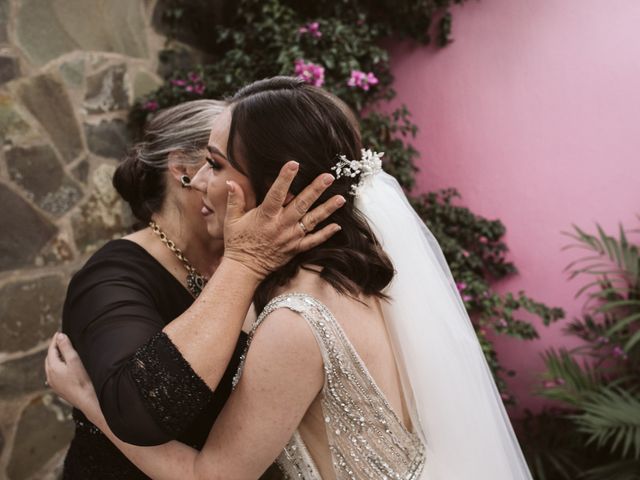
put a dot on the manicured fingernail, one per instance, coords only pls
(230, 187)
(293, 166)
(340, 201)
(328, 179)
(337, 228)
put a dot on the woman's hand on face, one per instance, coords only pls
(67, 376)
(267, 237)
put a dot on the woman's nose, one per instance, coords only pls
(199, 180)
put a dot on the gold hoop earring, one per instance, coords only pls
(185, 181)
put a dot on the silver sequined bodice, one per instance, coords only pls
(366, 438)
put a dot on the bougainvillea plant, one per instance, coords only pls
(338, 45)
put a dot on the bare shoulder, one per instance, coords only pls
(285, 338)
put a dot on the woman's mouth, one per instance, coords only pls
(206, 211)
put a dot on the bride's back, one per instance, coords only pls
(361, 319)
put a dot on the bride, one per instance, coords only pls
(363, 363)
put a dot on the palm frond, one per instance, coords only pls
(611, 417)
(617, 470)
(573, 381)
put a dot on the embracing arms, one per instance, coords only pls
(202, 339)
(282, 376)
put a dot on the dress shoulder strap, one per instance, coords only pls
(322, 323)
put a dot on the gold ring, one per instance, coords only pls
(302, 226)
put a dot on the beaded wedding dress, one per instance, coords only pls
(366, 438)
(461, 428)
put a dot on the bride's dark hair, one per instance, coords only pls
(281, 119)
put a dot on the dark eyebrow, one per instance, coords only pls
(213, 150)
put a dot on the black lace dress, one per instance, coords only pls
(115, 309)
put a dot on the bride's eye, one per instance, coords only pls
(213, 164)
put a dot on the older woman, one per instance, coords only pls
(130, 311)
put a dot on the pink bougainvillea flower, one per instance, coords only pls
(199, 88)
(461, 286)
(312, 29)
(194, 77)
(309, 72)
(189, 88)
(503, 323)
(151, 106)
(619, 352)
(362, 80)
(556, 382)
(467, 298)
(179, 82)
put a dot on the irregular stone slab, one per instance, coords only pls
(31, 312)
(22, 376)
(103, 216)
(4, 13)
(81, 171)
(38, 171)
(107, 90)
(144, 83)
(55, 252)
(73, 72)
(108, 139)
(9, 68)
(43, 430)
(24, 231)
(13, 128)
(48, 29)
(47, 100)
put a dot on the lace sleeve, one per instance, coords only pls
(170, 389)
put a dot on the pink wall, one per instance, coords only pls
(533, 113)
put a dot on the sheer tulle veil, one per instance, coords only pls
(454, 403)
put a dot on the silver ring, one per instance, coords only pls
(305, 230)
(46, 384)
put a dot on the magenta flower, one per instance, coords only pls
(362, 80)
(619, 352)
(151, 106)
(199, 88)
(179, 82)
(309, 72)
(312, 29)
(502, 323)
(461, 286)
(556, 382)
(467, 298)
(194, 77)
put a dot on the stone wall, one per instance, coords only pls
(69, 70)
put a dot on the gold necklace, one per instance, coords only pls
(195, 280)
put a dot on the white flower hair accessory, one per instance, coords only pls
(369, 164)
